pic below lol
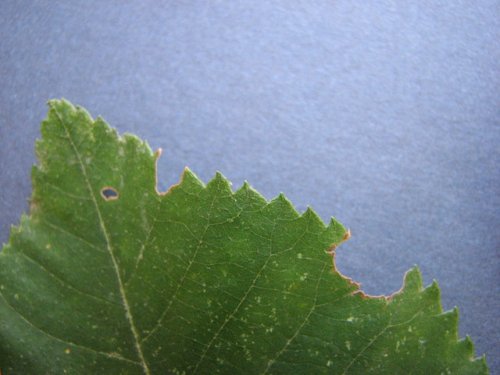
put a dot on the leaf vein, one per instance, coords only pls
(58, 228)
(114, 356)
(128, 312)
(299, 328)
(65, 283)
(183, 278)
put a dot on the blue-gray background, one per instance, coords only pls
(384, 114)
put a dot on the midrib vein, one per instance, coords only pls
(109, 247)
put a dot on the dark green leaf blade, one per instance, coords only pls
(109, 276)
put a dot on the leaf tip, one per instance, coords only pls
(55, 102)
(61, 105)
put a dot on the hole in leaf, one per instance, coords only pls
(109, 193)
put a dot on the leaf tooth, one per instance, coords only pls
(282, 208)
(450, 318)
(131, 141)
(188, 181)
(465, 347)
(481, 364)
(39, 152)
(431, 295)
(220, 177)
(313, 219)
(188, 178)
(335, 226)
(82, 112)
(219, 184)
(433, 289)
(245, 188)
(15, 232)
(412, 283)
(101, 128)
(247, 193)
(448, 323)
(334, 234)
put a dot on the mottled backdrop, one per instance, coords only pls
(384, 114)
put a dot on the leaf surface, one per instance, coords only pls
(108, 276)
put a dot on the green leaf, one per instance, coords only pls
(108, 276)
